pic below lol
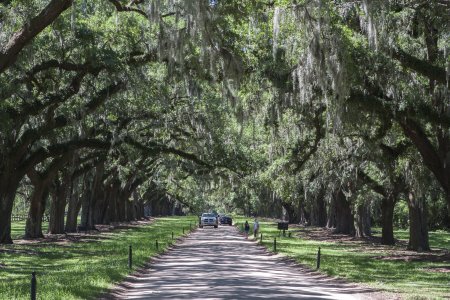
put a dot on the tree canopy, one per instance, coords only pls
(329, 113)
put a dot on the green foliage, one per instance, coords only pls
(246, 106)
(401, 215)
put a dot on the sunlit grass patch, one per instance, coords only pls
(83, 269)
(368, 264)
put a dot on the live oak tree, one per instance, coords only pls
(322, 109)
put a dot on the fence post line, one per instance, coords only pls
(318, 259)
(130, 257)
(33, 286)
(274, 244)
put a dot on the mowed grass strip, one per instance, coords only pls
(383, 267)
(84, 269)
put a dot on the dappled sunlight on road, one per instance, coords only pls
(221, 264)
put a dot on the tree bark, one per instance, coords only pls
(73, 207)
(331, 216)
(59, 193)
(95, 192)
(434, 160)
(7, 195)
(85, 200)
(9, 182)
(30, 30)
(113, 206)
(362, 220)
(101, 205)
(418, 227)
(387, 219)
(57, 206)
(33, 227)
(319, 211)
(367, 223)
(344, 216)
(292, 211)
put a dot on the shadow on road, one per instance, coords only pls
(221, 264)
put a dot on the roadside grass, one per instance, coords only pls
(369, 264)
(83, 269)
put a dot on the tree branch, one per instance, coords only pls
(58, 149)
(30, 30)
(60, 121)
(422, 67)
(127, 8)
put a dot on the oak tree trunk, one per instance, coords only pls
(33, 227)
(74, 207)
(387, 219)
(292, 213)
(57, 210)
(331, 216)
(418, 227)
(8, 188)
(6, 205)
(319, 211)
(344, 216)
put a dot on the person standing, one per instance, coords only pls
(246, 229)
(255, 228)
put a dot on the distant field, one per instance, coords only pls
(393, 269)
(86, 267)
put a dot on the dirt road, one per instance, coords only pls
(221, 264)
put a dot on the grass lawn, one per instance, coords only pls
(392, 269)
(83, 269)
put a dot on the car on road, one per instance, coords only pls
(209, 219)
(225, 220)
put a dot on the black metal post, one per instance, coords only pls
(318, 259)
(33, 286)
(274, 244)
(130, 257)
(156, 244)
(261, 238)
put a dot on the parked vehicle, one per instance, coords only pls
(225, 220)
(209, 219)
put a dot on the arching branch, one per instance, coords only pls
(30, 30)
